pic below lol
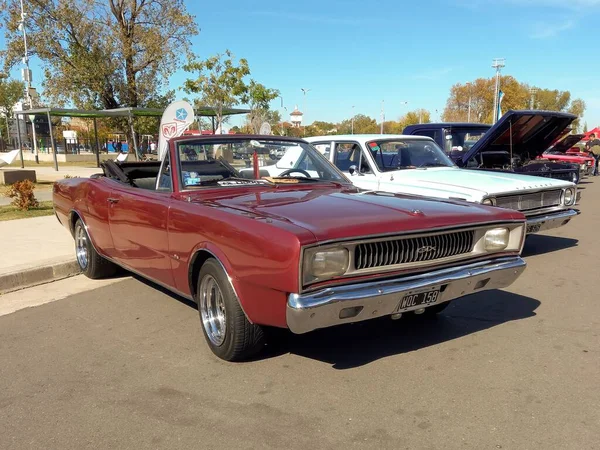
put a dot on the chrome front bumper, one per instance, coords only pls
(321, 309)
(549, 221)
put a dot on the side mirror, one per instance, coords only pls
(353, 170)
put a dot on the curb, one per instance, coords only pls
(14, 281)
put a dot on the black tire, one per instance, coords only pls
(92, 265)
(226, 329)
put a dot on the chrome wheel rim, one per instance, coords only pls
(212, 310)
(81, 247)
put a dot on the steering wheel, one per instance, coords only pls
(288, 172)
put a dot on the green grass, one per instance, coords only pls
(12, 213)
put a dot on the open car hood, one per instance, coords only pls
(570, 141)
(527, 133)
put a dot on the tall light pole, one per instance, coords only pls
(498, 64)
(27, 79)
(469, 110)
(533, 91)
(382, 116)
(304, 91)
(352, 119)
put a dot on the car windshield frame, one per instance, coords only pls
(463, 131)
(386, 166)
(221, 167)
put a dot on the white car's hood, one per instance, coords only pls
(471, 185)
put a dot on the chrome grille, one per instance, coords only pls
(409, 250)
(527, 202)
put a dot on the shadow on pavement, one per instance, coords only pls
(539, 244)
(355, 345)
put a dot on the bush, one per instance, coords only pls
(22, 194)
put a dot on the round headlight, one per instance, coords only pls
(569, 196)
(488, 201)
(329, 263)
(496, 239)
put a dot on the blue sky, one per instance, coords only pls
(359, 53)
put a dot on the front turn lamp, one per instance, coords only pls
(496, 239)
(488, 201)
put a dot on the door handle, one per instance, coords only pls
(113, 200)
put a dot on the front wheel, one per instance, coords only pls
(228, 332)
(92, 265)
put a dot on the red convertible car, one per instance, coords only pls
(303, 250)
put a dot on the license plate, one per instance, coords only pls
(534, 228)
(419, 299)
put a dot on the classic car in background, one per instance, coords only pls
(512, 144)
(565, 150)
(302, 250)
(416, 165)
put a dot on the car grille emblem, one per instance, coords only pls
(426, 249)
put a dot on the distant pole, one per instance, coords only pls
(52, 143)
(97, 143)
(352, 119)
(304, 91)
(382, 115)
(533, 91)
(19, 142)
(27, 79)
(498, 64)
(469, 110)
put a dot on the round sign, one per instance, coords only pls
(265, 128)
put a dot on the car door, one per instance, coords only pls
(138, 221)
(350, 158)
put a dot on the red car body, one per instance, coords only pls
(257, 233)
(565, 151)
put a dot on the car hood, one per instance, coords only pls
(570, 141)
(342, 213)
(526, 133)
(468, 184)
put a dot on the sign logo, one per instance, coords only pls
(169, 130)
(181, 114)
(426, 249)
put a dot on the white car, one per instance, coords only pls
(416, 165)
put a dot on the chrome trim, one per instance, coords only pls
(303, 288)
(550, 221)
(320, 309)
(476, 250)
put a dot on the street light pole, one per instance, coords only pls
(304, 91)
(27, 77)
(498, 64)
(469, 110)
(533, 91)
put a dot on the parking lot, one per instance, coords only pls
(124, 365)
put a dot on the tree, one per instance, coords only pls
(577, 107)
(220, 82)
(101, 53)
(517, 95)
(11, 91)
(258, 97)
(362, 125)
(585, 127)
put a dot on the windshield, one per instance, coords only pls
(227, 162)
(407, 154)
(461, 140)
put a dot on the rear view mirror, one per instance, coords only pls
(353, 170)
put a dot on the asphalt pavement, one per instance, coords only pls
(123, 364)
